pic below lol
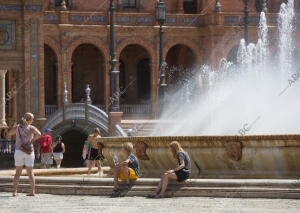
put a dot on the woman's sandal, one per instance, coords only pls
(151, 196)
(159, 196)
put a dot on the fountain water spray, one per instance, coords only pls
(221, 102)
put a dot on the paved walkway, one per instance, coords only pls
(43, 203)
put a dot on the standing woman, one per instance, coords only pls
(58, 148)
(180, 173)
(93, 152)
(26, 134)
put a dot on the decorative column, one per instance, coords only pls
(115, 115)
(87, 101)
(65, 101)
(2, 99)
(65, 94)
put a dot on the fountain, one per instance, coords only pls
(250, 108)
(259, 86)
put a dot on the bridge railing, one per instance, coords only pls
(7, 147)
(127, 109)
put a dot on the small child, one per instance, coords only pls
(127, 170)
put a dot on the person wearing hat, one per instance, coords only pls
(45, 149)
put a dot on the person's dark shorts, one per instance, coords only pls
(182, 176)
(93, 155)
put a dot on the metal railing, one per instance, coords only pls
(128, 109)
(136, 109)
(50, 109)
(7, 147)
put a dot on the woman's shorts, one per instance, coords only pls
(21, 159)
(182, 176)
(132, 175)
(94, 155)
(58, 155)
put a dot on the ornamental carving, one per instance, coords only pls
(140, 149)
(234, 150)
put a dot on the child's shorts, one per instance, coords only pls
(132, 175)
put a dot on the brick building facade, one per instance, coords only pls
(43, 44)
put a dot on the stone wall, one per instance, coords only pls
(269, 156)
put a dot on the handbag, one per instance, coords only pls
(26, 148)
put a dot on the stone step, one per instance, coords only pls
(195, 187)
(245, 192)
(279, 183)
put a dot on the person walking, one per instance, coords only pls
(26, 135)
(93, 154)
(45, 149)
(58, 148)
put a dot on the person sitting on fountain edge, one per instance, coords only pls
(180, 173)
(127, 170)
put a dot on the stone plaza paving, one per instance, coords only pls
(44, 203)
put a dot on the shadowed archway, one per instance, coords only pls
(74, 141)
(88, 68)
(232, 55)
(180, 61)
(135, 75)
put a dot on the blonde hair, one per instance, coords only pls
(128, 147)
(97, 130)
(175, 148)
(28, 116)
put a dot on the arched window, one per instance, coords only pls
(190, 6)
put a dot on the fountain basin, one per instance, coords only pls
(253, 156)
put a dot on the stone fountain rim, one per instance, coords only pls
(268, 141)
(204, 138)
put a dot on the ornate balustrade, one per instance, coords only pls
(265, 156)
(136, 109)
(7, 147)
(128, 109)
